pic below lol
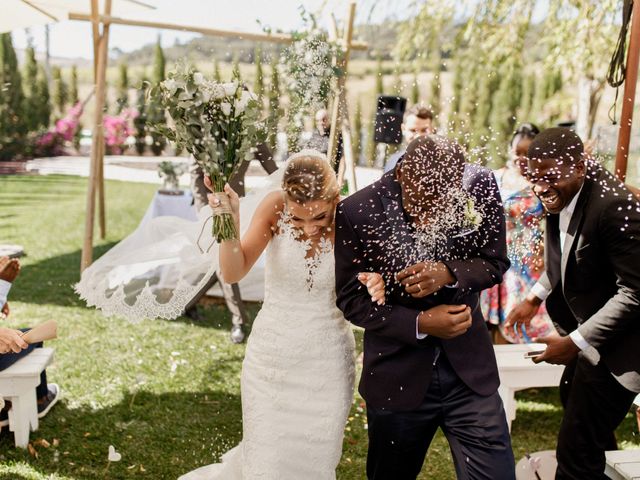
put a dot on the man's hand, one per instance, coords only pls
(521, 315)
(424, 278)
(9, 270)
(445, 321)
(560, 350)
(11, 340)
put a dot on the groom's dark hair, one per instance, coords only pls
(436, 157)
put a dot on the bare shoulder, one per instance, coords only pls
(270, 208)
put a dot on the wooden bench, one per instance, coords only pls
(519, 373)
(623, 464)
(18, 384)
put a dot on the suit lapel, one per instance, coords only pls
(574, 226)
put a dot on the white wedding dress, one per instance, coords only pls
(298, 372)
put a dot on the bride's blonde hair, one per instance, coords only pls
(309, 177)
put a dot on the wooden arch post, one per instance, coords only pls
(101, 48)
(629, 97)
(340, 115)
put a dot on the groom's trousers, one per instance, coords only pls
(475, 427)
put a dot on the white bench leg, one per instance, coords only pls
(23, 409)
(508, 396)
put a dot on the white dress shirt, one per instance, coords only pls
(4, 291)
(540, 290)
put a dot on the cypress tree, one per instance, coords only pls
(44, 98)
(528, 87)
(274, 112)
(155, 113)
(123, 88)
(379, 78)
(434, 98)
(216, 71)
(13, 124)
(235, 74)
(415, 90)
(140, 122)
(398, 86)
(60, 91)
(74, 97)
(258, 85)
(31, 105)
(357, 133)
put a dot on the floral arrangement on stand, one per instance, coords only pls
(170, 173)
(216, 123)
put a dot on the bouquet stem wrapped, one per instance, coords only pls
(216, 122)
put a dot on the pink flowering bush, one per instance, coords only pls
(51, 143)
(117, 128)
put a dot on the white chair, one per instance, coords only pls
(519, 373)
(18, 384)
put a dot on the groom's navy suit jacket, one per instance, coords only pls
(372, 235)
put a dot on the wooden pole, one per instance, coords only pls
(339, 104)
(629, 97)
(103, 45)
(260, 37)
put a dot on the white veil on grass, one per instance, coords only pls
(157, 270)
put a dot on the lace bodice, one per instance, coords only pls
(294, 276)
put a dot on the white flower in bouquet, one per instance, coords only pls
(215, 122)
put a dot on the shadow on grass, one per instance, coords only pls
(158, 435)
(50, 281)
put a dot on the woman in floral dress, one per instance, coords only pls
(524, 222)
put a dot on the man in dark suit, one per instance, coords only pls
(592, 292)
(428, 359)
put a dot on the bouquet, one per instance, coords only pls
(170, 173)
(216, 123)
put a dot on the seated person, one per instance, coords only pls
(320, 137)
(417, 122)
(13, 347)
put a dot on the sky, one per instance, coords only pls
(72, 39)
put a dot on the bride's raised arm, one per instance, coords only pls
(238, 256)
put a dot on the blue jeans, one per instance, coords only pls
(8, 359)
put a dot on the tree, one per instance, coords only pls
(357, 133)
(504, 109)
(140, 121)
(31, 105)
(123, 88)
(434, 98)
(258, 85)
(398, 86)
(235, 73)
(74, 97)
(528, 87)
(275, 111)
(60, 91)
(216, 71)
(13, 124)
(379, 77)
(415, 90)
(159, 64)
(44, 98)
(155, 112)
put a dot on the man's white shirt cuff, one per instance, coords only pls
(419, 335)
(579, 340)
(540, 291)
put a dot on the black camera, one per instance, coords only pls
(389, 114)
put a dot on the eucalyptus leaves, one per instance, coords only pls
(217, 123)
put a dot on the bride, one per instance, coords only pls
(298, 372)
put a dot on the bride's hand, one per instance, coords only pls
(227, 202)
(375, 286)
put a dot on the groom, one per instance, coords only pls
(428, 359)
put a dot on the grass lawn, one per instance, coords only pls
(164, 393)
